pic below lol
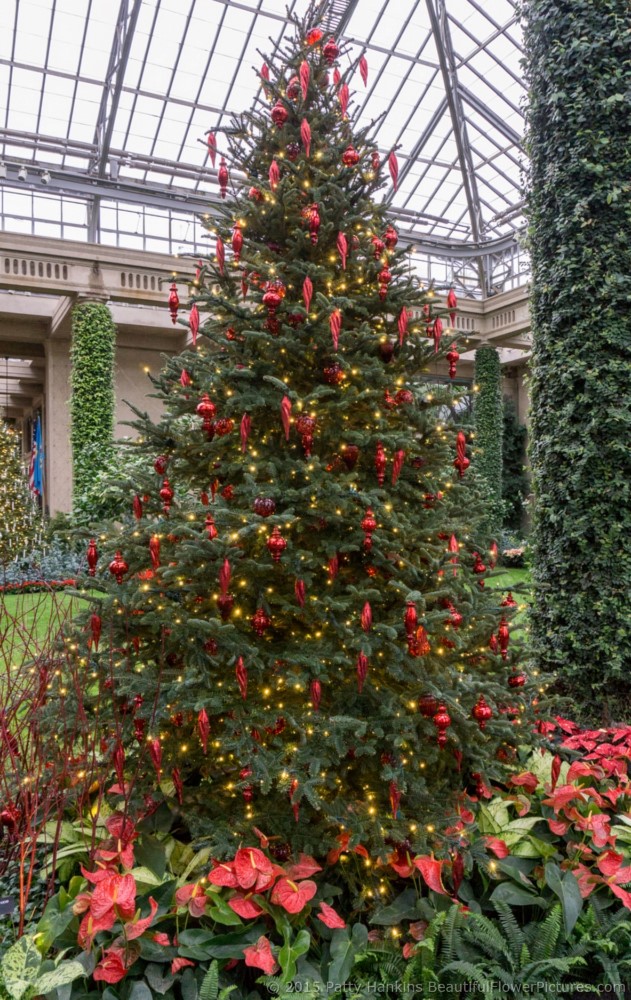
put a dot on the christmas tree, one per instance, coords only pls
(17, 511)
(297, 607)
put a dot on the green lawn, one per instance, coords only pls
(29, 623)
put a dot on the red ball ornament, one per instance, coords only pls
(174, 302)
(160, 464)
(375, 160)
(478, 565)
(386, 350)
(442, 721)
(306, 425)
(276, 544)
(380, 463)
(224, 426)
(333, 373)
(350, 454)
(313, 36)
(293, 88)
(330, 52)
(166, 495)
(509, 601)
(293, 150)
(206, 410)
(391, 237)
(255, 194)
(279, 114)
(452, 357)
(314, 224)
(225, 603)
(272, 299)
(517, 680)
(427, 705)
(260, 621)
(482, 712)
(503, 638)
(404, 397)
(223, 177)
(118, 567)
(378, 246)
(264, 506)
(92, 556)
(455, 618)
(350, 156)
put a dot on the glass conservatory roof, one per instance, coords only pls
(104, 105)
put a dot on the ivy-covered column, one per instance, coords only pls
(489, 429)
(92, 398)
(579, 205)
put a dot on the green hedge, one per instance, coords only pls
(489, 425)
(515, 480)
(579, 207)
(92, 399)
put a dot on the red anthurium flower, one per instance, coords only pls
(245, 906)
(613, 873)
(417, 929)
(302, 868)
(223, 874)
(115, 894)
(162, 939)
(293, 896)
(329, 917)
(193, 896)
(253, 869)
(408, 949)
(431, 870)
(97, 876)
(598, 825)
(526, 780)
(558, 826)
(259, 956)
(499, 848)
(402, 862)
(112, 967)
(139, 925)
(180, 963)
(344, 840)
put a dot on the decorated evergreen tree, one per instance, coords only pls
(17, 511)
(298, 609)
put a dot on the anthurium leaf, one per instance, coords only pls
(344, 949)
(565, 886)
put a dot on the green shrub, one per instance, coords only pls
(515, 481)
(489, 430)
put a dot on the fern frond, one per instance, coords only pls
(511, 928)
(545, 936)
(209, 990)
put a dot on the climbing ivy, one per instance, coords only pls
(92, 398)
(579, 207)
(488, 412)
(515, 481)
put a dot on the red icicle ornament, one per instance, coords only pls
(223, 177)
(155, 752)
(494, 553)
(335, 325)
(503, 638)
(334, 567)
(285, 415)
(452, 303)
(393, 164)
(211, 530)
(315, 692)
(212, 147)
(225, 575)
(276, 544)
(305, 74)
(453, 547)
(363, 69)
(305, 135)
(203, 728)
(307, 292)
(461, 462)
(154, 551)
(237, 242)
(193, 322)
(221, 254)
(397, 465)
(118, 567)
(342, 246)
(437, 332)
(92, 554)
(362, 670)
(185, 379)
(337, 77)
(246, 425)
(137, 507)
(402, 324)
(274, 175)
(118, 760)
(410, 619)
(395, 798)
(293, 788)
(178, 785)
(241, 674)
(174, 302)
(95, 629)
(380, 463)
(452, 358)
(366, 617)
(343, 96)
(300, 592)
